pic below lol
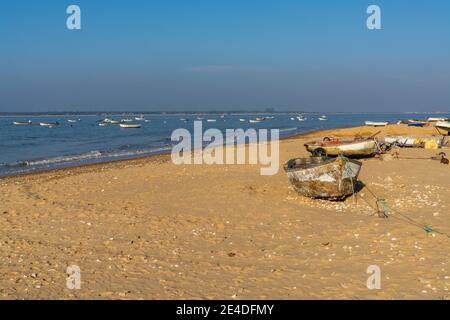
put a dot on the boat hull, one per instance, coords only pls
(333, 179)
(348, 149)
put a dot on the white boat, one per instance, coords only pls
(242, 120)
(147, 121)
(73, 120)
(411, 141)
(141, 118)
(434, 119)
(255, 121)
(302, 119)
(348, 148)
(126, 120)
(102, 124)
(443, 125)
(107, 120)
(22, 123)
(114, 122)
(130, 126)
(49, 124)
(323, 118)
(376, 124)
(211, 120)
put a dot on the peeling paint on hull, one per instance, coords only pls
(332, 179)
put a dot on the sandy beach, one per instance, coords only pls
(149, 229)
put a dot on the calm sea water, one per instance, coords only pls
(25, 149)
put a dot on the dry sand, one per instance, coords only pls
(148, 229)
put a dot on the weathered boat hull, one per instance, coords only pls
(332, 179)
(348, 149)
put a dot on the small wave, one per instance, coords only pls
(55, 160)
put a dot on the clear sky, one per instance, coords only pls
(313, 55)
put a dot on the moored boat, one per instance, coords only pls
(376, 123)
(316, 177)
(22, 123)
(349, 148)
(73, 120)
(48, 124)
(130, 126)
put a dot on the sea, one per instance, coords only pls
(34, 148)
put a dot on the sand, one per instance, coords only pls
(148, 229)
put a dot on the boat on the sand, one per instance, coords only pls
(349, 148)
(376, 123)
(130, 126)
(316, 177)
(443, 125)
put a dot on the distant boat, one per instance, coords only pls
(114, 122)
(200, 118)
(242, 120)
(48, 124)
(292, 119)
(332, 179)
(107, 120)
(211, 120)
(376, 124)
(103, 124)
(183, 119)
(130, 126)
(323, 118)
(73, 120)
(126, 120)
(255, 121)
(141, 118)
(147, 120)
(22, 123)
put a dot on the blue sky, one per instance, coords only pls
(225, 55)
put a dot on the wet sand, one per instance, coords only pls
(148, 229)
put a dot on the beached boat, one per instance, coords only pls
(130, 126)
(349, 148)
(317, 177)
(437, 119)
(376, 123)
(22, 123)
(412, 141)
(443, 125)
(48, 124)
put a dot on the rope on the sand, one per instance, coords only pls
(387, 210)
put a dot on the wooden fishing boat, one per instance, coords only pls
(22, 123)
(376, 124)
(443, 125)
(437, 119)
(317, 177)
(349, 148)
(130, 126)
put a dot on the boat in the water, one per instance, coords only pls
(103, 124)
(376, 123)
(317, 177)
(242, 120)
(323, 118)
(49, 124)
(73, 120)
(126, 120)
(211, 120)
(114, 122)
(141, 118)
(130, 126)
(349, 148)
(22, 123)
